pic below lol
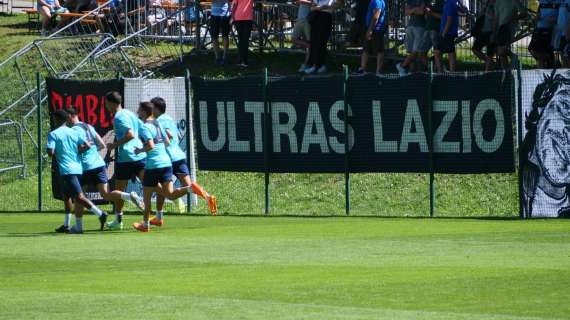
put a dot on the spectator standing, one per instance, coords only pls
(357, 32)
(302, 30)
(482, 33)
(448, 32)
(374, 41)
(433, 22)
(416, 43)
(507, 15)
(321, 27)
(562, 33)
(541, 42)
(220, 22)
(242, 16)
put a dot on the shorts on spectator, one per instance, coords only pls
(71, 186)
(432, 38)
(416, 39)
(180, 168)
(128, 170)
(94, 177)
(152, 177)
(504, 35)
(484, 40)
(446, 44)
(541, 41)
(302, 30)
(376, 44)
(218, 24)
(357, 34)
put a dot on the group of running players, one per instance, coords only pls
(147, 147)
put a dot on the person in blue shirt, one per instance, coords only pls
(540, 44)
(178, 158)
(94, 167)
(129, 165)
(65, 144)
(158, 167)
(448, 32)
(374, 40)
(561, 39)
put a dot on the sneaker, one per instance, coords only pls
(360, 72)
(44, 33)
(213, 205)
(302, 68)
(62, 229)
(179, 206)
(401, 70)
(137, 201)
(310, 70)
(322, 69)
(74, 230)
(243, 65)
(115, 225)
(155, 222)
(140, 227)
(103, 220)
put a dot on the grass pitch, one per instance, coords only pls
(287, 268)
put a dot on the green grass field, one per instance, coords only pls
(287, 268)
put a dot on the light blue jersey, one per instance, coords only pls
(124, 121)
(65, 142)
(157, 157)
(174, 151)
(90, 158)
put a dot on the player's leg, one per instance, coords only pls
(68, 206)
(78, 227)
(150, 185)
(180, 169)
(157, 220)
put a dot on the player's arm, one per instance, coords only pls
(373, 23)
(128, 137)
(447, 26)
(147, 146)
(50, 147)
(169, 134)
(99, 141)
(167, 139)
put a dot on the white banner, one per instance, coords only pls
(546, 143)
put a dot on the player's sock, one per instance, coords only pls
(125, 196)
(67, 219)
(146, 223)
(197, 189)
(98, 212)
(119, 216)
(159, 215)
(79, 223)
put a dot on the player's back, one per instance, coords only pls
(90, 158)
(65, 142)
(173, 149)
(124, 121)
(157, 157)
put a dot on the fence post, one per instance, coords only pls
(187, 135)
(346, 142)
(519, 140)
(266, 144)
(39, 137)
(430, 144)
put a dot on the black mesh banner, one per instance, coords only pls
(88, 98)
(392, 122)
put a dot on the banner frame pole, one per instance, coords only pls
(431, 145)
(266, 144)
(519, 140)
(187, 134)
(39, 138)
(346, 142)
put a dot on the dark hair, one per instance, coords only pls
(114, 97)
(159, 104)
(146, 107)
(60, 115)
(72, 111)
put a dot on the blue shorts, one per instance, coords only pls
(180, 168)
(94, 177)
(152, 177)
(128, 170)
(71, 186)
